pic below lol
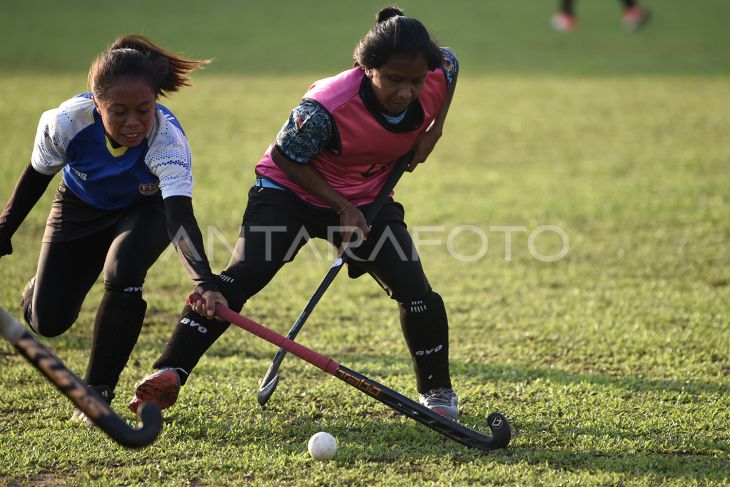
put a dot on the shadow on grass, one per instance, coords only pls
(694, 459)
(629, 382)
(402, 444)
(521, 374)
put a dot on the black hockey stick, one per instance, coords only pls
(498, 424)
(271, 379)
(95, 408)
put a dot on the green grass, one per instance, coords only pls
(612, 363)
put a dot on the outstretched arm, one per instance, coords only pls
(185, 235)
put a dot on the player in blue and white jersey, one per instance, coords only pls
(126, 192)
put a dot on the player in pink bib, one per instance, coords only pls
(326, 166)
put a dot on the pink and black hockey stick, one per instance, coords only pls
(498, 424)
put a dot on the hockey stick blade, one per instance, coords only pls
(498, 424)
(95, 408)
(271, 379)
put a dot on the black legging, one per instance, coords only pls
(568, 6)
(67, 270)
(276, 224)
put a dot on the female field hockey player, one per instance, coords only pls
(126, 191)
(330, 159)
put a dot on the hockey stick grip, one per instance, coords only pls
(317, 359)
(73, 388)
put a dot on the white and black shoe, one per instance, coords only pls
(26, 300)
(442, 400)
(106, 395)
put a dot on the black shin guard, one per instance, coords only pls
(426, 330)
(192, 336)
(118, 323)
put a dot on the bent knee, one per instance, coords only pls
(51, 323)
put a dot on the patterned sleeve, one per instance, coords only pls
(170, 159)
(450, 66)
(51, 141)
(306, 133)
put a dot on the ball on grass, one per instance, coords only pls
(322, 446)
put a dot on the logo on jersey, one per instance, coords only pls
(148, 189)
(81, 175)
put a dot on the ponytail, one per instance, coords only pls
(137, 56)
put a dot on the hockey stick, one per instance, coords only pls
(498, 424)
(271, 379)
(95, 408)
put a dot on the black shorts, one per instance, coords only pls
(71, 218)
(277, 223)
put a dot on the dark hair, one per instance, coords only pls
(137, 56)
(395, 34)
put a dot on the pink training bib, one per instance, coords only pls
(368, 150)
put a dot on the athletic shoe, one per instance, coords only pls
(564, 22)
(161, 388)
(442, 400)
(635, 17)
(26, 299)
(106, 395)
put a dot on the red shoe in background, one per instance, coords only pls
(564, 22)
(635, 17)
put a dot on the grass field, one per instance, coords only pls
(613, 363)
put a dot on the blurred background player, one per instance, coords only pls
(126, 191)
(565, 19)
(327, 164)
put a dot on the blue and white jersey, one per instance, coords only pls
(71, 137)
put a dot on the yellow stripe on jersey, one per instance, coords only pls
(118, 152)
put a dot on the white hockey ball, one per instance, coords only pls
(322, 446)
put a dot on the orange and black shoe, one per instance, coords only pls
(160, 388)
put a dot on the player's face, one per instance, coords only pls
(398, 82)
(127, 111)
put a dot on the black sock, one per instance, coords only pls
(426, 330)
(192, 336)
(118, 322)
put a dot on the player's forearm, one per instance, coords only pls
(310, 180)
(185, 235)
(27, 192)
